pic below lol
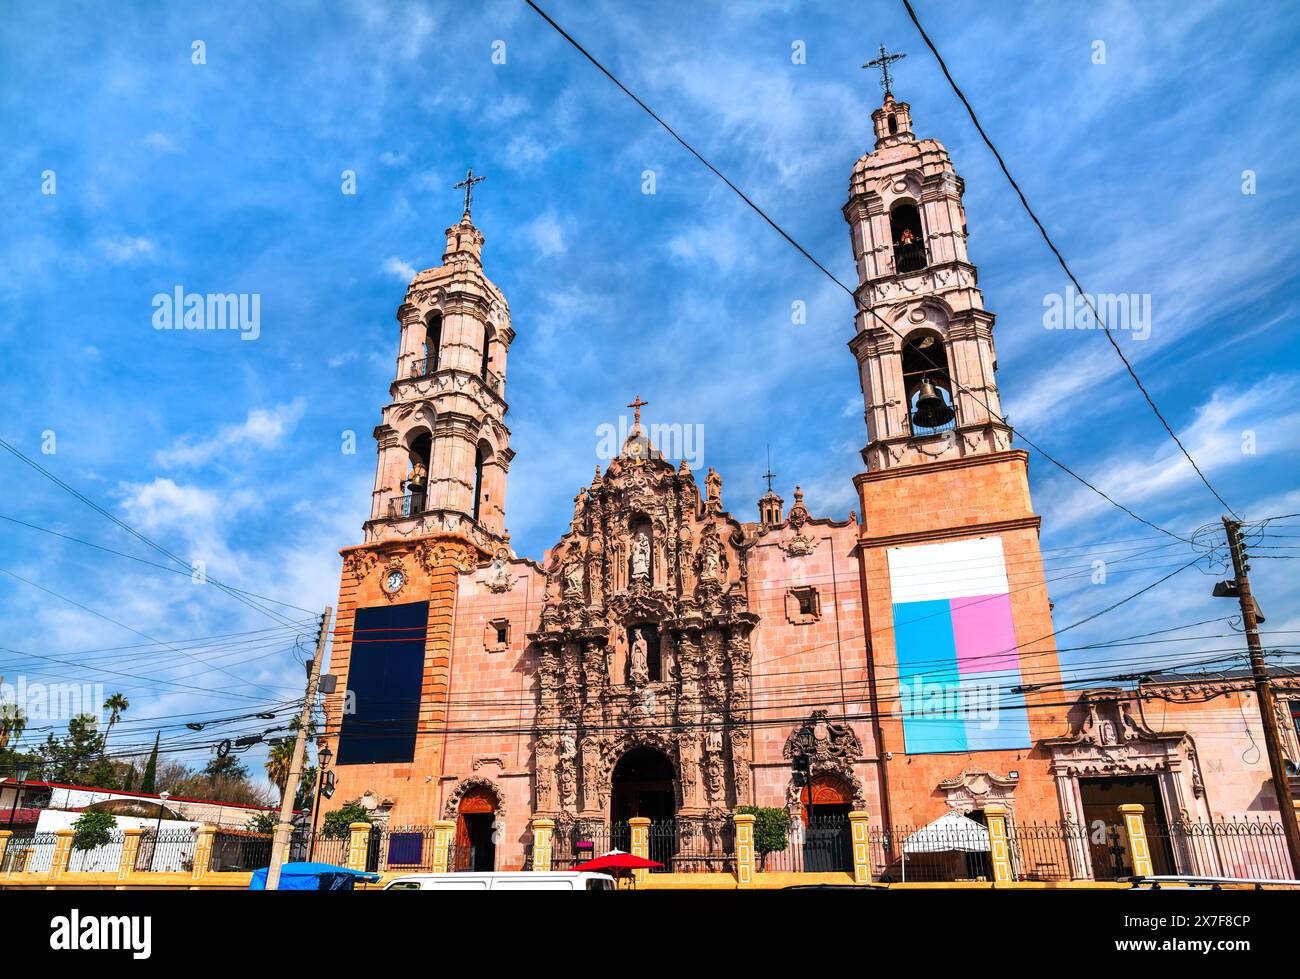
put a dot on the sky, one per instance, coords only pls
(209, 148)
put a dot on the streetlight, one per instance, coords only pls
(162, 798)
(20, 777)
(323, 758)
(802, 777)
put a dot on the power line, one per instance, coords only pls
(133, 532)
(825, 271)
(1060, 258)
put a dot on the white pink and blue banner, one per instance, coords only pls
(955, 643)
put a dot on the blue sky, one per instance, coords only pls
(226, 177)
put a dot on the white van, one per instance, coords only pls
(504, 880)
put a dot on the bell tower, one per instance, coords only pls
(444, 448)
(437, 511)
(951, 569)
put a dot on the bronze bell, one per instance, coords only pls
(931, 410)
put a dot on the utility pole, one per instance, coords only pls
(1264, 693)
(284, 828)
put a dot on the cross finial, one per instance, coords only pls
(638, 404)
(883, 62)
(769, 475)
(468, 183)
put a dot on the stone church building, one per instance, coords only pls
(672, 657)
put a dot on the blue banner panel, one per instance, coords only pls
(926, 652)
(385, 675)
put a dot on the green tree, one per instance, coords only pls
(263, 822)
(115, 705)
(77, 758)
(92, 830)
(149, 782)
(771, 830)
(337, 820)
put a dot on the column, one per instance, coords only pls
(640, 844)
(542, 830)
(358, 845)
(745, 857)
(62, 853)
(1135, 830)
(130, 851)
(999, 845)
(442, 835)
(859, 827)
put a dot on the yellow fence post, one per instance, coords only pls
(640, 845)
(995, 817)
(442, 835)
(130, 850)
(203, 851)
(542, 831)
(62, 853)
(859, 833)
(1139, 849)
(745, 856)
(358, 845)
(4, 844)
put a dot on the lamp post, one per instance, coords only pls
(323, 758)
(157, 831)
(802, 764)
(20, 777)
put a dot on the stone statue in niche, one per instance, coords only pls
(573, 578)
(641, 555)
(713, 491)
(710, 558)
(639, 670)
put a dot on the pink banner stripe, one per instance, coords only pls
(984, 635)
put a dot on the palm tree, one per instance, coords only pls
(12, 723)
(116, 705)
(278, 762)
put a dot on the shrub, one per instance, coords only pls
(92, 830)
(771, 830)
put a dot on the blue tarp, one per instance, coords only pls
(312, 877)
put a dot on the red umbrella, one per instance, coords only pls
(617, 861)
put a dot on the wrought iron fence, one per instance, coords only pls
(31, 854)
(103, 859)
(1246, 847)
(823, 844)
(235, 850)
(909, 258)
(168, 851)
(692, 846)
(578, 843)
(408, 848)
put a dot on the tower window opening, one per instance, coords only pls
(487, 352)
(930, 406)
(432, 345)
(416, 484)
(893, 125)
(478, 480)
(908, 238)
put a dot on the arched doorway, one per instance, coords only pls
(642, 785)
(476, 847)
(824, 806)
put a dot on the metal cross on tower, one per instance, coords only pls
(638, 404)
(883, 62)
(468, 183)
(769, 475)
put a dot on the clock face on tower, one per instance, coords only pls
(394, 580)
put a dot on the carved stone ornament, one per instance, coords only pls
(975, 788)
(644, 628)
(452, 806)
(835, 749)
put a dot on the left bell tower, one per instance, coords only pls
(437, 509)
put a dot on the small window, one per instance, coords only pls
(803, 605)
(496, 637)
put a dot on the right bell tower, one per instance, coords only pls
(951, 571)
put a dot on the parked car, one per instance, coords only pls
(507, 880)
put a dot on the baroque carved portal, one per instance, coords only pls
(647, 647)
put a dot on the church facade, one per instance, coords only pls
(667, 658)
